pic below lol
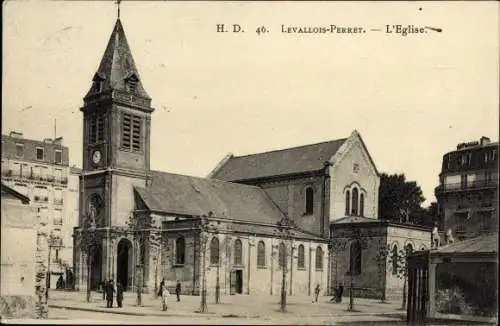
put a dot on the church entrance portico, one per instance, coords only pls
(124, 263)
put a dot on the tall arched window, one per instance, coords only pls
(301, 257)
(355, 258)
(261, 254)
(395, 259)
(347, 203)
(214, 251)
(319, 258)
(180, 249)
(309, 201)
(238, 252)
(354, 204)
(361, 205)
(282, 255)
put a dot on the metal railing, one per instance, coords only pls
(467, 185)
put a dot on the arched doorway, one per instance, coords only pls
(124, 263)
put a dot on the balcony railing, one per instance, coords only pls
(57, 221)
(479, 184)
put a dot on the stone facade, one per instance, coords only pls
(377, 240)
(19, 247)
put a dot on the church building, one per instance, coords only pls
(254, 222)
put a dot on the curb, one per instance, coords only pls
(128, 313)
(200, 315)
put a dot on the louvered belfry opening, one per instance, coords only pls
(131, 132)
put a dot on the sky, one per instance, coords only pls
(412, 98)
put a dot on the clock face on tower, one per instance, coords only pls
(96, 157)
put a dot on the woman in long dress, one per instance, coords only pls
(164, 296)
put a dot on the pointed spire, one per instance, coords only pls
(118, 7)
(117, 67)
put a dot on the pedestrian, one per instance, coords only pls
(104, 285)
(110, 289)
(178, 291)
(119, 294)
(162, 284)
(164, 296)
(339, 293)
(316, 293)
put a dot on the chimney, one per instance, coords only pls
(47, 140)
(58, 141)
(484, 141)
(15, 134)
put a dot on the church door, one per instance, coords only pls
(124, 263)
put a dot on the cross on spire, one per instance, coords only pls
(118, 7)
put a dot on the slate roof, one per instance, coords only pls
(300, 159)
(187, 195)
(117, 63)
(482, 244)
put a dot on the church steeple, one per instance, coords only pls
(117, 70)
(117, 111)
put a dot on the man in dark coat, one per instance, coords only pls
(104, 285)
(119, 294)
(110, 289)
(178, 290)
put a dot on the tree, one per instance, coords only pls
(399, 199)
(429, 215)
(355, 241)
(147, 235)
(400, 261)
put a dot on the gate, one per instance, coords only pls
(418, 287)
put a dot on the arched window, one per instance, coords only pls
(354, 205)
(282, 255)
(238, 252)
(395, 259)
(214, 251)
(309, 201)
(301, 257)
(355, 258)
(180, 250)
(361, 205)
(408, 249)
(261, 254)
(347, 203)
(319, 258)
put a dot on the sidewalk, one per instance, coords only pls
(245, 306)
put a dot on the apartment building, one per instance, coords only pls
(468, 191)
(39, 170)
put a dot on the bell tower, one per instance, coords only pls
(117, 112)
(116, 153)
